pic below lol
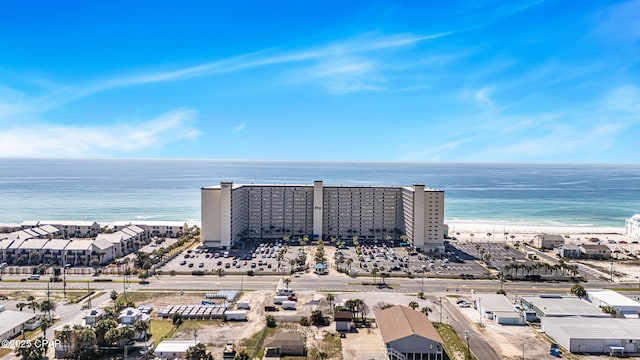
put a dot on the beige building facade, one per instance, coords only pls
(232, 212)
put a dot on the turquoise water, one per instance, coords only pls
(108, 190)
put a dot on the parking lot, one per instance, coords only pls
(458, 259)
(400, 261)
(263, 258)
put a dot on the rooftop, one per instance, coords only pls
(595, 247)
(495, 303)
(10, 319)
(281, 338)
(175, 346)
(558, 305)
(595, 328)
(399, 321)
(611, 298)
(77, 244)
(33, 244)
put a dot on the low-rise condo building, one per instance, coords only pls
(632, 226)
(547, 241)
(231, 213)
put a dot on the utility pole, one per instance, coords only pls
(124, 281)
(195, 337)
(89, 292)
(49, 301)
(466, 336)
(480, 309)
(611, 268)
(441, 310)
(64, 276)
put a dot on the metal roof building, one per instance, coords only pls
(499, 308)
(11, 322)
(174, 349)
(624, 305)
(561, 306)
(594, 335)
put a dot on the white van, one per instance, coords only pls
(34, 277)
(226, 254)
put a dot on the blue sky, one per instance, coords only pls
(474, 81)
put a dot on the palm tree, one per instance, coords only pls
(471, 235)
(413, 305)
(85, 336)
(349, 261)
(330, 298)
(141, 328)
(286, 281)
(426, 310)
(64, 337)
(126, 333)
(21, 305)
(47, 306)
(33, 304)
(101, 328)
(374, 272)
(198, 352)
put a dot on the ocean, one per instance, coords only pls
(519, 194)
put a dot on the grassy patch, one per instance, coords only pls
(453, 343)
(160, 329)
(4, 351)
(331, 347)
(141, 296)
(32, 334)
(453, 296)
(188, 326)
(256, 342)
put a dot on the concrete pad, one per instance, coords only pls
(366, 344)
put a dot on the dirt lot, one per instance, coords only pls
(217, 333)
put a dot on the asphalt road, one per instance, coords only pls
(336, 283)
(466, 328)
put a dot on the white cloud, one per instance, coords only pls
(619, 23)
(97, 141)
(482, 96)
(358, 45)
(240, 127)
(343, 75)
(624, 99)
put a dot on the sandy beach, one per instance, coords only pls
(626, 266)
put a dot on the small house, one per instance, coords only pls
(547, 241)
(594, 251)
(569, 251)
(343, 320)
(285, 344)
